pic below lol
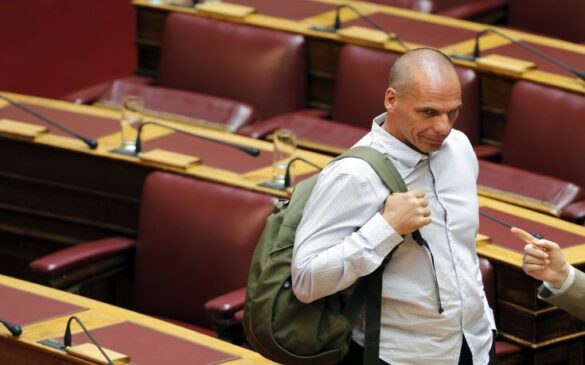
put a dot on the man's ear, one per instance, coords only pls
(390, 99)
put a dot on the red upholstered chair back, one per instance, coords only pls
(560, 19)
(261, 67)
(362, 78)
(195, 242)
(545, 132)
(488, 277)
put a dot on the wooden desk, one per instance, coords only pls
(56, 192)
(416, 29)
(25, 350)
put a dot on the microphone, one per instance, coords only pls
(504, 223)
(477, 52)
(67, 341)
(14, 329)
(287, 178)
(370, 21)
(252, 151)
(91, 143)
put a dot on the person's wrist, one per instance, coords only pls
(561, 276)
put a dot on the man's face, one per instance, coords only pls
(423, 116)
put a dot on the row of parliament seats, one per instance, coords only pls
(562, 20)
(191, 257)
(231, 87)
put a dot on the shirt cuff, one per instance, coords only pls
(568, 282)
(384, 237)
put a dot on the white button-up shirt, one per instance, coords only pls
(343, 237)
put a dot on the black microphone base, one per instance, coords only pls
(52, 343)
(320, 28)
(124, 151)
(272, 185)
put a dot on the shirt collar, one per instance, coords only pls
(393, 147)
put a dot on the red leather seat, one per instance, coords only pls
(561, 19)
(195, 242)
(217, 67)
(543, 148)
(361, 81)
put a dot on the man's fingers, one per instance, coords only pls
(545, 245)
(523, 235)
(533, 268)
(532, 250)
(418, 193)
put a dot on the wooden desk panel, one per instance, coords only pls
(25, 350)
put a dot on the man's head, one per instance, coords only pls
(423, 99)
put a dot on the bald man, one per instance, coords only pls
(431, 313)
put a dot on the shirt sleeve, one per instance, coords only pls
(342, 235)
(568, 282)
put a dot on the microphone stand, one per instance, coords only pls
(90, 142)
(477, 52)
(252, 151)
(370, 21)
(287, 176)
(14, 329)
(67, 341)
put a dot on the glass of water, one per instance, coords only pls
(285, 147)
(132, 114)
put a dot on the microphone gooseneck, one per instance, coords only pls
(506, 224)
(546, 57)
(252, 151)
(369, 20)
(90, 142)
(14, 329)
(67, 341)
(287, 181)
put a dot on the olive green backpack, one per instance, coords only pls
(276, 323)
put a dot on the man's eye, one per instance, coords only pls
(429, 112)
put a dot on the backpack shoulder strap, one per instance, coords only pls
(380, 163)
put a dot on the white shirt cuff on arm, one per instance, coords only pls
(568, 282)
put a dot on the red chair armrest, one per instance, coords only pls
(88, 95)
(260, 129)
(224, 306)
(91, 94)
(487, 152)
(574, 212)
(79, 255)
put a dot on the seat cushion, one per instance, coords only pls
(189, 106)
(526, 188)
(315, 133)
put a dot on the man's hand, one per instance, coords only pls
(407, 212)
(543, 260)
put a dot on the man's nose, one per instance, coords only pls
(442, 125)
